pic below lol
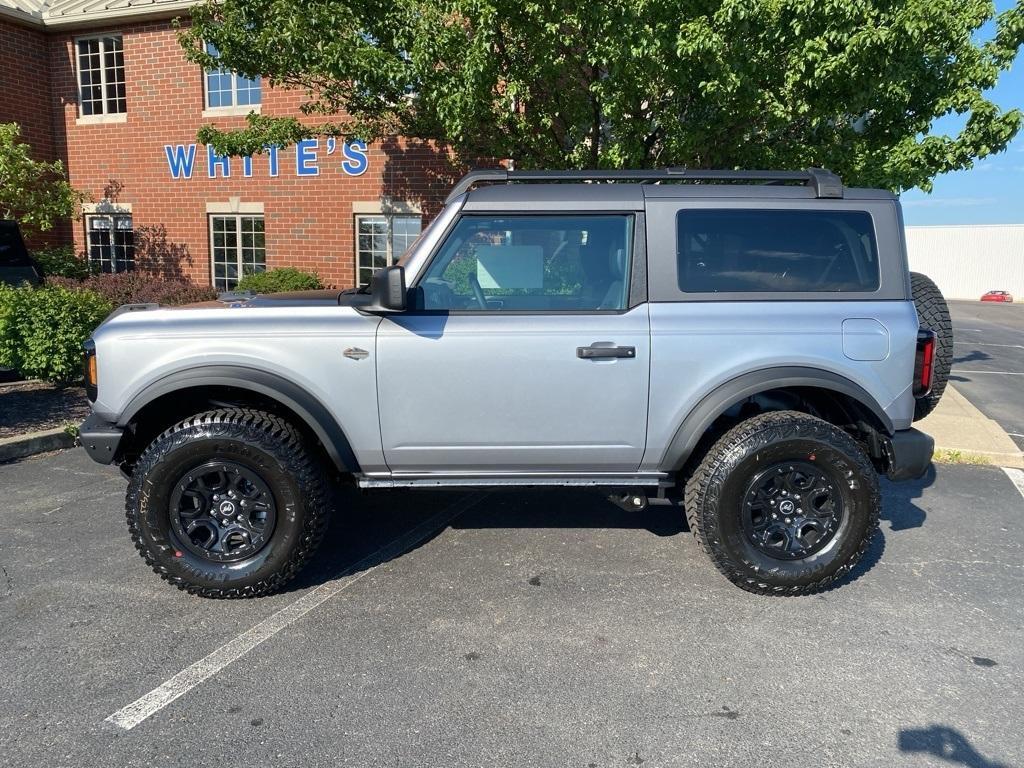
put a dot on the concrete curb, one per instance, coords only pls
(958, 426)
(20, 446)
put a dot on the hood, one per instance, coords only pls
(327, 297)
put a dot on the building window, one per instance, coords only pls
(224, 88)
(381, 240)
(238, 248)
(101, 88)
(111, 243)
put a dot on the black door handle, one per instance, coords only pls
(594, 352)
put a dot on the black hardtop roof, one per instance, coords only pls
(630, 188)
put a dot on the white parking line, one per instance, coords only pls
(1016, 477)
(988, 344)
(998, 373)
(174, 688)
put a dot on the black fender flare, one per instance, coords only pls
(313, 413)
(726, 395)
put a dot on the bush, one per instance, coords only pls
(61, 261)
(137, 288)
(279, 280)
(42, 329)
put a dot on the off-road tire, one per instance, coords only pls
(933, 313)
(262, 441)
(715, 491)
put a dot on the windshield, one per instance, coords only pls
(403, 260)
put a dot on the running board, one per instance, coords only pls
(523, 479)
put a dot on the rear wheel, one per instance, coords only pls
(933, 314)
(784, 503)
(228, 503)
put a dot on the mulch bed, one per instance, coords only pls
(30, 406)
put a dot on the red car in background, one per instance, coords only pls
(997, 296)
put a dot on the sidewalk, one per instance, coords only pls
(958, 426)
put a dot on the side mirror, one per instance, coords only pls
(387, 290)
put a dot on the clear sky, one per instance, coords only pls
(993, 191)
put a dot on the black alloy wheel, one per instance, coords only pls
(791, 510)
(222, 511)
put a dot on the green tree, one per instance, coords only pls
(853, 85)
(36, 193)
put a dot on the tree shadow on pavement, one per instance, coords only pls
(945, 743)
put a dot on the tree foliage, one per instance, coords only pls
(853, 85)
(35, 193)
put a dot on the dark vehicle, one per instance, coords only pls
(16, 265)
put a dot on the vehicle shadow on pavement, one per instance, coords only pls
(365, 525)
(898, 507)
(946, 743)
(902, 514)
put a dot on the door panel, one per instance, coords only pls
(497, 391)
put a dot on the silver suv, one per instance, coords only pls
(747, 341)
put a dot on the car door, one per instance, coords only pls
(523, 355)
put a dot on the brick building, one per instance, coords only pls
(104, 86)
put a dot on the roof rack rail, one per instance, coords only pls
(823, 182)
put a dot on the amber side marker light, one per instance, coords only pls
(89, 369)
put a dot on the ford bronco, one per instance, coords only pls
(746, 340)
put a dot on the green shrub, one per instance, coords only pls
(138, 288)
(279, 280)
(42, 330)
(61, 261)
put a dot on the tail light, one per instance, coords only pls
(924, 363)
(89, 372)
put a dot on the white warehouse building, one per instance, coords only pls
(968, 260)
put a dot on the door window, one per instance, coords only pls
(542, 263)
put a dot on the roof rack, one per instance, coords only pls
(823, 182)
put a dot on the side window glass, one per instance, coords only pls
(771, 251)
(547, 263)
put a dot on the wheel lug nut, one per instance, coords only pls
(238, 518)
(788, 521)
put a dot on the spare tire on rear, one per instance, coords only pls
(933, 314)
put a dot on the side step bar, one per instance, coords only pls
(518, 480)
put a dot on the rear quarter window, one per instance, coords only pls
(776, 251)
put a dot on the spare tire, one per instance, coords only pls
(933, 313)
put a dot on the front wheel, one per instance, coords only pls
(784, 503)
(228, 503)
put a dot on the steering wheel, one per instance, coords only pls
(478, 292)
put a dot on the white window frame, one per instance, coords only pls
(104, 115)
(112, 217)
(238, 244)
(234, 108)
(389, 217)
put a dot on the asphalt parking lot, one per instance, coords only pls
(525, 628)
(988, 361)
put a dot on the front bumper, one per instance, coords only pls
(908, 453)
(100, 438)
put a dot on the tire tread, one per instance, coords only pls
(703, 485)
(272, 434)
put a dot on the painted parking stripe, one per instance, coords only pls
(987, 344)
(998, 373)
(1016, 477)
(146, 706)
